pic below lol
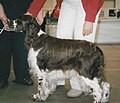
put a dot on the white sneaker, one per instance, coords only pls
(74, 93)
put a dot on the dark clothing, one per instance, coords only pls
(14, 8)
(12, 43)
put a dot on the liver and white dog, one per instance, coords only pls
(52, 59)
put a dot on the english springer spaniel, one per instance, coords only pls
(52, 59)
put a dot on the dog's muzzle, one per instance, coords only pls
(13, 26)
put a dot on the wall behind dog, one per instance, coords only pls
(49, 5)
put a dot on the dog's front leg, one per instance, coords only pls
(37, 96)
(54, 77)
(43, 88)
(43, 91)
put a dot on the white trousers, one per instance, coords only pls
(71, 20)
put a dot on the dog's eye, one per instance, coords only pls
(19, 22)
(31, 26)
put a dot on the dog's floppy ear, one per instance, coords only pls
(30, 25)
(25, 18)
(28, 19)
(31, 29)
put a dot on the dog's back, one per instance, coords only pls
(85, 57)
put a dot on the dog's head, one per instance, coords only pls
(26, 24)
(23, 23)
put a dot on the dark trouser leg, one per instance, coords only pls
(20, 63)
(5, 56)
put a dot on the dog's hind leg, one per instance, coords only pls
(95, 88)
(105, 92)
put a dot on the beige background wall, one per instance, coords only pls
(109, 4)
(117, 4)
(49, 5)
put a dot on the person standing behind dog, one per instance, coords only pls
(12, 43)
(78, 20)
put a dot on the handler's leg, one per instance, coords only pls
(75, 88)
(76, 83)
(20, 64)
(5, 58)
(66, 21)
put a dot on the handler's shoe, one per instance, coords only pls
(74, 93)
(3, 84)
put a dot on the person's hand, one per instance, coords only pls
(28, 13)
(40, 17)
(5, 23)
(87, 28)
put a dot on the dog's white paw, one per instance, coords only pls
(105, 98)
(106, 92)
(36, 97)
